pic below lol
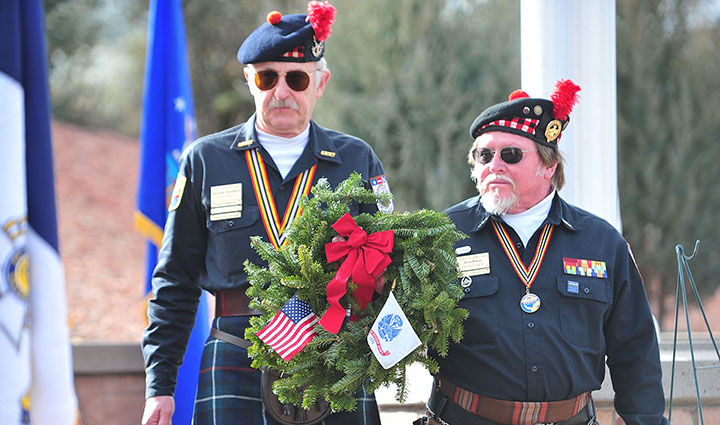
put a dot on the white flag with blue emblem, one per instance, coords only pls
(35, 366)
(392, 337)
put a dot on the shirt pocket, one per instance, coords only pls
(229, 241)
(481, 301)
(584, 303)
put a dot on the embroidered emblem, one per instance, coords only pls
(177, 192)
(380, 185)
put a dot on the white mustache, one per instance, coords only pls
(287, 103)
(494, 178)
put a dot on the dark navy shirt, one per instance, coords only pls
(559, 351)
(202, 253)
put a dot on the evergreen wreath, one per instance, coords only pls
(421, 275)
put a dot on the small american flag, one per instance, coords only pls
(292, 328)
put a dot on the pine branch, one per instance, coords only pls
(424, 269)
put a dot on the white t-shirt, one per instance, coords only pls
(284, 150)
(528, 221)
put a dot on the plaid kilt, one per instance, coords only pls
(229, 389)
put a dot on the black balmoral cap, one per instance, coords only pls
(540, 120)
(290, 38)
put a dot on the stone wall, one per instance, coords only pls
(109, 381)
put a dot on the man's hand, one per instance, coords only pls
(158, 410)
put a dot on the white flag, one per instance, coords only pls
(36, 370)
(392, 337)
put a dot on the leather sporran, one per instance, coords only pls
(288, 414)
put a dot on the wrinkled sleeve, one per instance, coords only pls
(632, 347)
(175, 287)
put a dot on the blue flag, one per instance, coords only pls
(36, 366)
(168, 126)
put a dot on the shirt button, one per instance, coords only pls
(531, 325)
(519, 245)
(534, 368)
(282, 187)
(230, 223)
(586, 290)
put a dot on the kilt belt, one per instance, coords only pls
(233, 302)
(230, 338)
(447, 396)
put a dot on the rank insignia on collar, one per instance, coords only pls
(590, 268)
(328, 154)
(245, 143)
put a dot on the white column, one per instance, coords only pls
(576, 39)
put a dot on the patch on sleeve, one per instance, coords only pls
(380, 185)
(579, 267)
(177, 192)
(632, 257)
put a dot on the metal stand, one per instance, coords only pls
(683, 268)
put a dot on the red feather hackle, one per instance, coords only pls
(564, 98)
(321, 15)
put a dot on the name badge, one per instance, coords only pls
(225, 201)
(474, 265)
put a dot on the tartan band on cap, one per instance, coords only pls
(540, 120)
(297, 52)
(527, 125)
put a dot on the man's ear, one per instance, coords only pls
(550, 171)
(323, 82)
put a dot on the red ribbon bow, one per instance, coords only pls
(367, 257)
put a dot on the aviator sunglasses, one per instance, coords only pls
(511, 154)
(296, 80)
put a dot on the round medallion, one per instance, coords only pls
(538, 110)
(530, 303)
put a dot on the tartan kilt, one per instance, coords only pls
(229, 389)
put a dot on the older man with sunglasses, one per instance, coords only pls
(553, 291)
(242, 182)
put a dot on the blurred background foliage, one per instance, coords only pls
(409, 76)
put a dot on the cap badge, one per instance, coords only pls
(317, 47)
(538, 110)
(526, 110)
(553, 130)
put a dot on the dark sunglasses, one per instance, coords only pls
(511, 154)
(296, 80)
